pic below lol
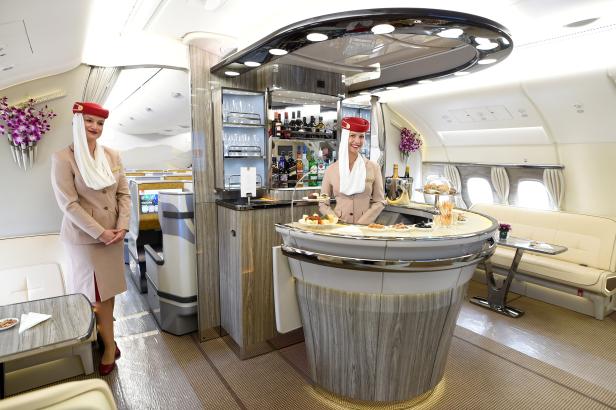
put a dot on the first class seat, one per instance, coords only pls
(582, 279)
(31, 268)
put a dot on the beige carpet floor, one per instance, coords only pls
(550, 358)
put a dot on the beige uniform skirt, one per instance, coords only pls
(106, 261)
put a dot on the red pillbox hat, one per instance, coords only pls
(355, 124)
(90, 108)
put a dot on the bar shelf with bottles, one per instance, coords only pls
(304, 135)
(243, 135)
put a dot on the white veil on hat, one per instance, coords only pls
(351, 181)
(95, 172)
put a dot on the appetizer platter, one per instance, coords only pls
(316, 197)
(316, 221)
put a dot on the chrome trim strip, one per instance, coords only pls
(382, 265)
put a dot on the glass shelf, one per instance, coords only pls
(245, 156)
(240, 125)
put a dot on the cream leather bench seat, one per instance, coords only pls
(583, 278)
(31, 268)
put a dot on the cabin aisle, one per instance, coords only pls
(550, 358)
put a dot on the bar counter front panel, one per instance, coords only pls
(378, 309)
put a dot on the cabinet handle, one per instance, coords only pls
(232, 232)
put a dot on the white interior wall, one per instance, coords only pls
(150, 151)
(29, 206)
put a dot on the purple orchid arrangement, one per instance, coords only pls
(409, 142)
(24, 125)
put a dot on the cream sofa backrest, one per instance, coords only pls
(31, 267)
(591, 239)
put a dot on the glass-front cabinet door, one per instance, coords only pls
(244, 141)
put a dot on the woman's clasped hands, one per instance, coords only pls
(111, 236)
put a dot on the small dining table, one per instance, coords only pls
(497, 295)
(71, 325)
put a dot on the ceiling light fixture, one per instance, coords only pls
(232, 73)
(277, 51)
(391, 87)
(424, 81)
(251, 64)
(315, 37)
(487, 61)
(450, 33)
(382, 29)
(461, 73)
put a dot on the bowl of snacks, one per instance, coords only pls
(374, 227)
(8, 322)
(401, 227)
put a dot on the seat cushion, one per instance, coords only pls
(552, 269)
(24, 283)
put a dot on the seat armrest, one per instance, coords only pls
(153, 254)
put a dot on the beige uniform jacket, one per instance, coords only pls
(362, 208)
(88, 212)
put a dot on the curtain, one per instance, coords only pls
(500, 182)
(99, 84)
(452, 174)
(554, 181)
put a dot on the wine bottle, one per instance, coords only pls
(320, 126)
(282, 171)
(305, 161)
(292, 170)
(312, 125)
(407, 172)
(313, 175)
(275, 174)
(285, 124)
(292, 124)
(305, 126)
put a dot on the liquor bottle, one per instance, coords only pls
(298, 120)
(285, 124)
(305, 126)
(407, 172)
(395, 174)
(320, 168)
(292, 124)
(299, 166)
(305, 160)
(320, 126)
(313, 172)
(282, 171)
(312, 125)
(291, 170)
(275, 174)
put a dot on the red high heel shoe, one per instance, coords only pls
(105, 369)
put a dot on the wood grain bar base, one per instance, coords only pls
(377, 347)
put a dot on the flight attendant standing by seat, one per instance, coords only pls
(91, 189)
(353, 180)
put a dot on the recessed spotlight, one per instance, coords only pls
(487, 61)
(424, 81)
(232, 73)
(487, 46)
(392, 87)
(461, 73)
(317, 37)
(176, 95)
(131, 118)
(278, 51)
(148, 109)
(8, 67)
(251, 64)
(581, 23)
(2, 55)
(382, 29)
(450, 33)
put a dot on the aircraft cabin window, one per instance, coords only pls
(479, 191)
(533, 194)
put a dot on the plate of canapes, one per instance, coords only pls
(8, 323)
(401, 228)
(316, 221)
(374, 227)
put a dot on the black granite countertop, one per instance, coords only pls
(241, 204)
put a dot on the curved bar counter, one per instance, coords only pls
(379, 308)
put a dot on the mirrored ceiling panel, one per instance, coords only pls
(380, 49)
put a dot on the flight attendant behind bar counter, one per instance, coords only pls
(354, 181)
(92, 192)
